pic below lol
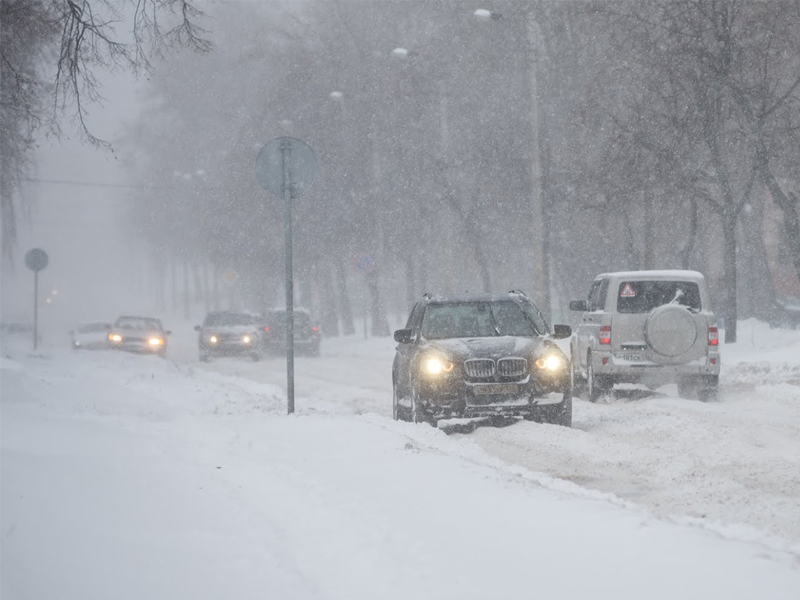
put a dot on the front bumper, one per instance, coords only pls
(228, 348)
(456, 398)
(140, 347)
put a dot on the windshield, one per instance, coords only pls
(644, 296)
(475, 319)
(227, 320)
(141, 323)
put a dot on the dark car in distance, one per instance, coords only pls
(228, 333)
(480, 355)
(139, 334)
(307, 337)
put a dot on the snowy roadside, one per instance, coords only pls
(731, 466)
(132, 477)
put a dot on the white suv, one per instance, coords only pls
(648, 327)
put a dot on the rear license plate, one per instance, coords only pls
(635, 357)
(492, 389)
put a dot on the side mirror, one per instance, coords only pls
(403, 336)
(198, 329)
(167, 332)
(579, 305)
(562, 332)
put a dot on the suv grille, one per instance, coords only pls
(479, 367)
(512, 367)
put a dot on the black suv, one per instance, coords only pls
(480, 355)
(306, 332)
(229, 333)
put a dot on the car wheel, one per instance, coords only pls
(576, 381)
(710, 393)
(255, 357)
(205, 358)
(418, 414)
(395, 404)
(561, 413)
(688, 388)
(596, 386)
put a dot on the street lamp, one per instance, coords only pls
(541, 269)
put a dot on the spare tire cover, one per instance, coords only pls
(670, 330)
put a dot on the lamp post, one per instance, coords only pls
(541, 268)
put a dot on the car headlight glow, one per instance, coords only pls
(550, 362)
(433, 365)
(115, 337)
(245, 339)
(154, 341)
(213, 339)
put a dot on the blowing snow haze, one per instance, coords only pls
(465, 149)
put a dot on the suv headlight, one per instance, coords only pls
(551, 362)
(436, 365)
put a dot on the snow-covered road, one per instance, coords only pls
(133, 477)
(730, 464)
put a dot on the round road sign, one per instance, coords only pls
(302, 166)
(364, 263)
(36, 259)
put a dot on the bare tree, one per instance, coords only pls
(56, 48)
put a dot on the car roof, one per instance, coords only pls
(669, 274)
(137, 317)
(296, 309)
(475, 297)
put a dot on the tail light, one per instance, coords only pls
(713, 336)
(605, 335)
(315, 329)
(266, 329)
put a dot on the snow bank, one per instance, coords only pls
(132, 477)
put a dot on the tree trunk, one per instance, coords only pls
(174, 277)
(330, 319)
(649, 238)
(305, 291)
(758, 287)
(380, 326)
(691, 238)
(790, 206)
(346, 308)
(729, 258)
(411, 293)
(217, 296)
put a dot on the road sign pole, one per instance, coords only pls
(286, 167)
(286, 153)
(35, 310)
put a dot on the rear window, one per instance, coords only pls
(644, 296)
(301, 319)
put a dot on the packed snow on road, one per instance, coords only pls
(127, 476)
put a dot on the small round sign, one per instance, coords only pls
(301, 168)
(36, 259)
(364, 263)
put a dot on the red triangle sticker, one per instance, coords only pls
(627, 292)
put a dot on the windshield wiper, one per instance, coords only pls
(494, 323)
